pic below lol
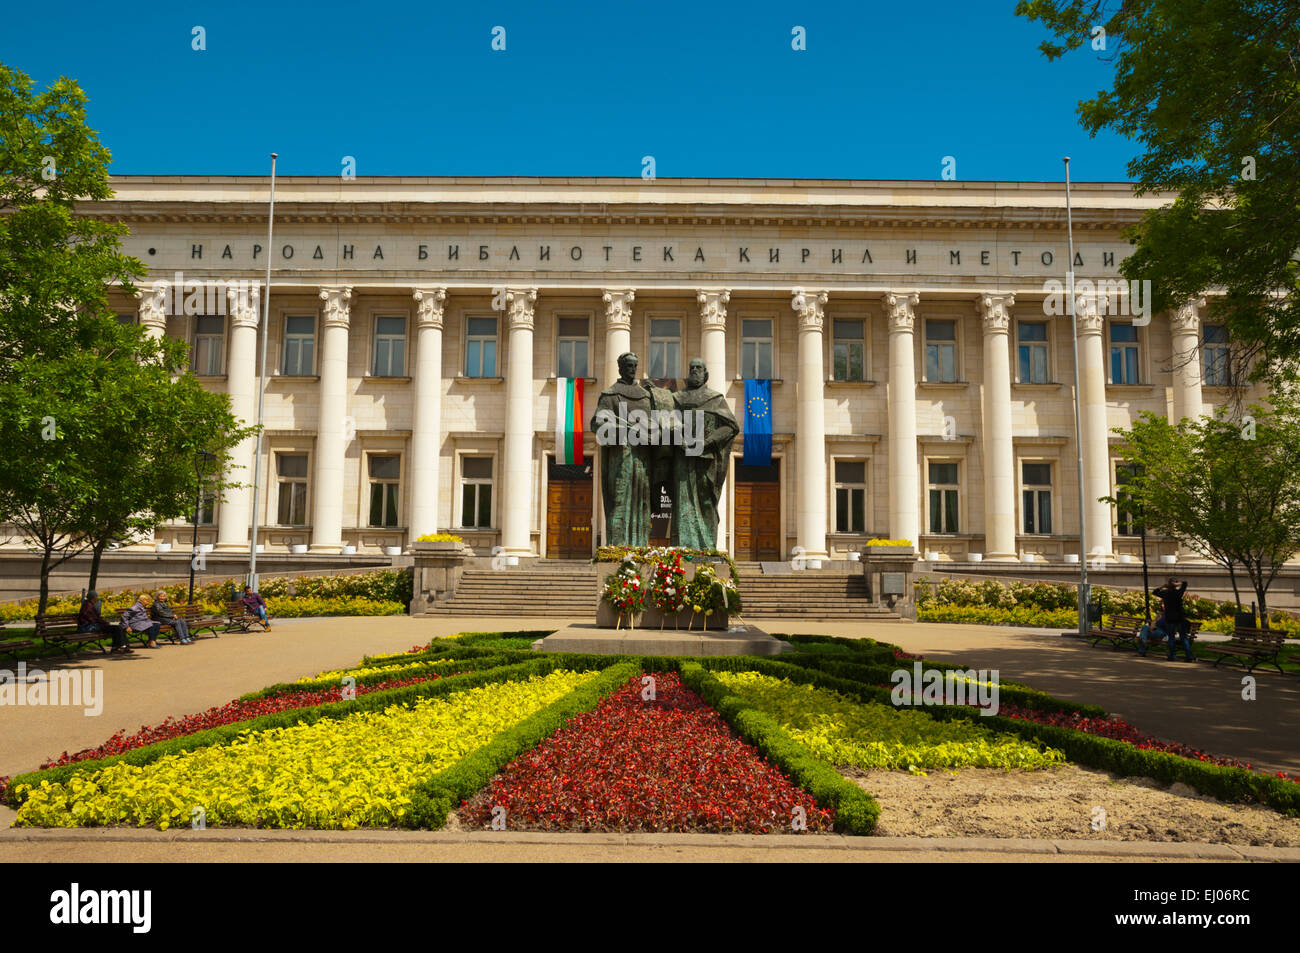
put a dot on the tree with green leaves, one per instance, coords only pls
(1226, 486)
(99, 422)
(1210, 92)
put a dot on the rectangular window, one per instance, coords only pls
(848, 351)
(1126, 517)
(481, 347)
(1036, 497)
(207, 510)
(1032, 343)
(756, 349)
(209, 334)
(941, 351)
(943, 498)
(476, 492)
(390, 347)
(385, 472)
(1215, 356)
(571, 347)
(1123, 354)
(850, 496)
(665, 349)
(291, 473)
(299, 345)
(126, 318)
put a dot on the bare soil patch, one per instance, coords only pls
(1059, 803)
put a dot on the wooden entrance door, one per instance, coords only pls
(758, 512)
(568, 511)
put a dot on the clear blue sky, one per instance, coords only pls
(883, 90)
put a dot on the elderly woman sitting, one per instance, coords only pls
(136, 619)
(161, 612)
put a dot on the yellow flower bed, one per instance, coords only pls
(843, 731)
(337, 773)
(361, 671)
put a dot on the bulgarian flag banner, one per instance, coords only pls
(568, 419)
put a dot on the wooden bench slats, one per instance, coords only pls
(61, 631)
(240, 618)
(1251, 646)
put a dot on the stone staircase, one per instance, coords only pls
(567, 589)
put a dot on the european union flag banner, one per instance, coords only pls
(758, 423)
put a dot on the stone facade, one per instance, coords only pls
(932, 283)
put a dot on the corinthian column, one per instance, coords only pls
(1185, 325)
(618, 333)
(811, 439)
(426, 425)
(713, 351)
(999, 460)
(516, 500)
(904, 490)
(153, 309)
(236, 509)
(331, 442)
(1096, 443)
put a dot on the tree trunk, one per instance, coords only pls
(95, 553)
(1261, 592)
(1236, 593)
(45, 579)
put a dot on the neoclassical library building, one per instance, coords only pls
(422, 330)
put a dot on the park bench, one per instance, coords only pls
(198, 620)
(1123, 630)
(61, 631)
(12, 647)
(240, 619)
(1157, 637)
(1250, 647)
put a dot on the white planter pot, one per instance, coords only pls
(162, 547)
(1169, 560)
(1072, 558)
(975, 557)
(814, 564)
(298, 549)
(932, 557)
(349, 550)
(206, 547)
(1027, 557)
(855, 557)
(261, 547)
(512, 560)
(1125, 558)
(392, 550)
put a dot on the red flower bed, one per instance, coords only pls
(1121, 730)
(671, 764)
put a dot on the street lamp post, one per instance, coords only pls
(202, 464)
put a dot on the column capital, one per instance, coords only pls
(244, 302)
(1186, 318)
(428, 306)
(338, 306)
(153, 305)
(1086, 317)
(520, 312)
(900, 307)
(995, 310)
(618, 308)
(713, 308)
(811, 308)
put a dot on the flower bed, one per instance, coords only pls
(361, 671)
(842, 731)
(335, 773)
(670, 764)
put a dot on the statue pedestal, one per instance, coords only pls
(597, 640)
(652, 618)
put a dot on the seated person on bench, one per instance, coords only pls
(256, 605)
(136, 618)
(89, 620)
(162, 613)
(1171, 593)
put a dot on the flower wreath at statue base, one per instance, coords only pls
(663, 582)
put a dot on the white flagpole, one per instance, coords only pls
(1084, 595)
(261, 381)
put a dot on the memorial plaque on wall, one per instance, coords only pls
(661, 515)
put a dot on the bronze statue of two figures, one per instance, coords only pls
(649, 436)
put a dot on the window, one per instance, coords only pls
(571, 348)
(476, 492)
(291, 472)
(665, 349)
(390, 347)
(299, 345)
(850, 496)
(848, 351)
(756, 348)
(1123, 354)
(1036, 497)
(384, 474)
(126, 318)
(1215, 356)
(941, 351)
(207, 509)
(209, 334)
(481, 347)
(1126, 516)
(1031, 338)
(943, 497)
